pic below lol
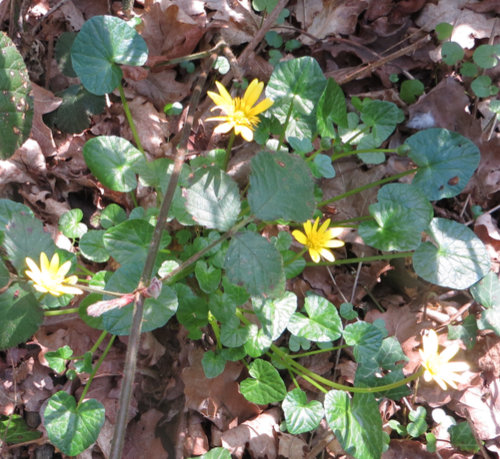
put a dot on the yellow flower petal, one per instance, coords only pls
(300, 236)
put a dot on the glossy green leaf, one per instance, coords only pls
(16, 103)
(62, 53)
(192, 311)
(446, 161)
(365, 338)
(207, 276)
(213, 364)
(356, 423)
(76, 109)
(452, 52)
(365, 377)
(111, 159)
(281, 186)
(157, 311)
(418, 426)
(57, 359)
(72, 428)
(295, 267)
(461, 437)
(257, 342)
(13, 430)
(274, 314)
(467, 331)
(102, 44)
(483, 86)
(129, 241)
(21, 316)
(233, 335)
(91, 246)
(322, 324)
(25, 237)
(455, 258)
(253, 262)
(332, 109)
(487, 293)
(400, 215)
(112, 215)
(486, 56)
(70, 226)
(264, 386)
(295, 87)
(300, 415)
(10, 208)
(213, 199)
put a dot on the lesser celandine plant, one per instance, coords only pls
(218, 269)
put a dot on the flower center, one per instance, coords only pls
(50, 280)
(316, 241)
(433, 365)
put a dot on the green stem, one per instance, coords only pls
(85, 271)
(98, 342)
(130, 120)
(348, 261)
(228, 149)
(215, 327)
(60, 312)
(363, 151)
(317, 351)
(296, 257)
(282, 136)
(366, 187)
(87, 288)
(345, 223)
(94, 370)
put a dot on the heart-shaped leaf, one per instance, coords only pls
(301, 416)
(71, 427)
(265, 385)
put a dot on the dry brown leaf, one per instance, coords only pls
(292, 446)
(44, 102)
(141, 440)
(195, 441)
(410, 449)
(259, 434)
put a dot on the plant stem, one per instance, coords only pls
(348, 261)
(317, 351)
(99, 341)
(296, 257)
(96, 367)
(228, 149)
(361, 152)
(60, 312)
(130, 120)
(215, 327)
(366, 187)
(285, 124)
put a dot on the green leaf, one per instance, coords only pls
(456, 258)
(322, 167)
(431, 440)
(16, 104)
(295, 87)
(366, 339)
(418, 426)
(157, 311)
(102, 43)
(410, 90)
(62, 53)
(213, 200)
(274, 314)
(257, 342)
(443, 31)
(25, 237)
(77, 107)
(400, 215)
(466, 332)
(274, 39)
(208, 277)
(469, 70)
(253, 262)
(487, 293)
(215, 453)
(281, 186)
(347, 311)
(10, 208)
(451, 52)
(111, 159)
(4, 275)
(84, 365)
(446, 161)
(91, 246)
(57, 359)
(366, 377)
(72, 428)
(192, 311)
(332, 109)
(70, 226)
(300, 415)
(323, 323)
(486, 56)
(21, 316)
(482, 86)
(356, 423)
(13, 429)
(213, 364)
(295, 267)
(129, 241)
(264, 386)
(112, 215)
(233, 335)
(461, 437)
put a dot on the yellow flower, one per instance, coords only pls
(437, 366)
(318, 240)
(239, 113)
(49, 278)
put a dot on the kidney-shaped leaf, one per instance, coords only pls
(446, 161)
(253, 262)
(265, 385)
(281, 186)
(71, 427)
(456, 259)
(356, 423)
(102, 43)
(401, 214)
(111, 159)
